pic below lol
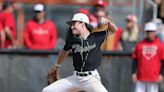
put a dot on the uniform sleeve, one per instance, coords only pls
(67, 46)
(101, 36)
(68, 42)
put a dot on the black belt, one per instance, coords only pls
(83, 73)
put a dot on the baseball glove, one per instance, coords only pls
(53, 75)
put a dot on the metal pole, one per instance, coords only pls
(134, 6)
(141, 19)
(141, 11)
(154, 8)
(110, 7)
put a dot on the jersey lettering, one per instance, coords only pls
(149, 51)
(40, 31)
(81, 49)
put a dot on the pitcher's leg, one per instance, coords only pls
(94, 85)
(63, 85)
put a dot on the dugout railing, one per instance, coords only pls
(26, 70)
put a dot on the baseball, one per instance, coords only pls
(103, 20)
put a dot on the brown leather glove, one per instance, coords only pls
(53, 75)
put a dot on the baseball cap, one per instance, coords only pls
(83, 10)
(157, 21)
(79, 17)
(132, 18)
(39, 7)
(150, 26)
(101, 3)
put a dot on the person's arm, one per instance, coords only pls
(9, 35)
(112, 27)
(134, 70)
(3, 37)
(101, 36)
(53, 72)
(9, 28)
(160, 77)
(134, 66)
(62, 55)
(162, 68)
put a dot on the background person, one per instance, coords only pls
(8, 23)
(148, 62)
(39, 32)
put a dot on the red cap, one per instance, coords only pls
(83, 10)
(102, 3)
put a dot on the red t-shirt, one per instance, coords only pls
(1, 28)
(40, 36)
(148, 56)
(7, 20)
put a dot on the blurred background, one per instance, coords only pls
(24, 68)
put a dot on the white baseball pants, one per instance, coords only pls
(74, 83)
(146, 87)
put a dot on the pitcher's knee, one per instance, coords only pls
(46, 90)
(51, 89)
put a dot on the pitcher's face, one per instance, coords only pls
(77, 28)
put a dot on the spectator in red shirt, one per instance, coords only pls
(2, 33)
(8, 23)
(40, 33)
(148, 62)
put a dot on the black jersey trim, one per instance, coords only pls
(65, 50)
